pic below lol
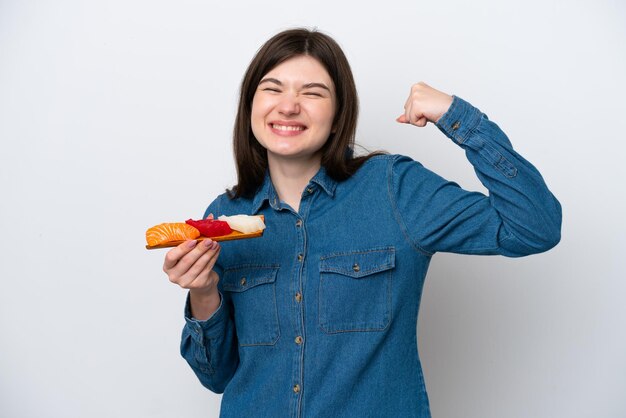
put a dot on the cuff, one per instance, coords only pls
(459, 120)
(206, 326)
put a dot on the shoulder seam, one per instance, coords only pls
(396, 212)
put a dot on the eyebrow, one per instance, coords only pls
(320, 85)
(306, 86)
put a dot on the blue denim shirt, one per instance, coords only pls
(318, 317)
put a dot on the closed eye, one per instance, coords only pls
(311, 93)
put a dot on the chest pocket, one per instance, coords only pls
(355, 290)
(252, 290)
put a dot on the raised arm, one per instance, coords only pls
(520, 216)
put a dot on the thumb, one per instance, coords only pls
(402, 119)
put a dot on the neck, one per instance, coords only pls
(290, 177)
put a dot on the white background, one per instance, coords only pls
(117, 115)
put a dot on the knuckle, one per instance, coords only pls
(169, 258)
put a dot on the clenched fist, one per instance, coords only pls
(425, 104)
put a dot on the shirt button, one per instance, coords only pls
(456, 125)
(300, 257)
(296, 388)
(299, 223)
(356, 267)
(298, 297)
(298, 340)
(309, 190)
(243, 281)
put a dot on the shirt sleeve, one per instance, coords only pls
(210, 346)
(518, 217)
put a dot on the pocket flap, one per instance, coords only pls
(359, 264)
(242, 278)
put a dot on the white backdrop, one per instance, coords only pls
(116, 115)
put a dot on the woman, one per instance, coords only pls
(318, 317)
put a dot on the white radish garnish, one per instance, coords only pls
(244, 223)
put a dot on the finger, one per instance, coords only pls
(204, 258)
(216, 249)
(198, 272)
(421, 122)
(174, 255)
(204, 278)
(188, 260)
(416, 116)
(207, 259)
(401, 119)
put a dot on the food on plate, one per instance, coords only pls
(244, 223)
(225, 228)
(210, 227)
(166, 232)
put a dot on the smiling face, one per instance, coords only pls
(293, 110)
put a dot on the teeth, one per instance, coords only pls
(287, 128)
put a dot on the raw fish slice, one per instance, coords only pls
(244, 223)
(210, 227)
(167, 232)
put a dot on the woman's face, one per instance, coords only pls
(293, 109)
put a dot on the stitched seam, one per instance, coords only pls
(373, 250)
(257, 281)
(471, 130)
(346, 272)
(396, 212)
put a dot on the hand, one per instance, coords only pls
(190, 265)
(425, 104)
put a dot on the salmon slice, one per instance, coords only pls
(166, 232)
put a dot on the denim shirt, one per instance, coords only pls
(318, 316)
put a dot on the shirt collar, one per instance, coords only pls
(325, 182)
(264, 193)
(267, 192)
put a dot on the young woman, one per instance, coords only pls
(318, 317)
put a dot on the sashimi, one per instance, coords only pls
(210, 227)
(166, 232)
(244, 223)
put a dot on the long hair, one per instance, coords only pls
(338, 152)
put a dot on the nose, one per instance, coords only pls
(289, 105)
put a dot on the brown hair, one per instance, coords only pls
(337, 152)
